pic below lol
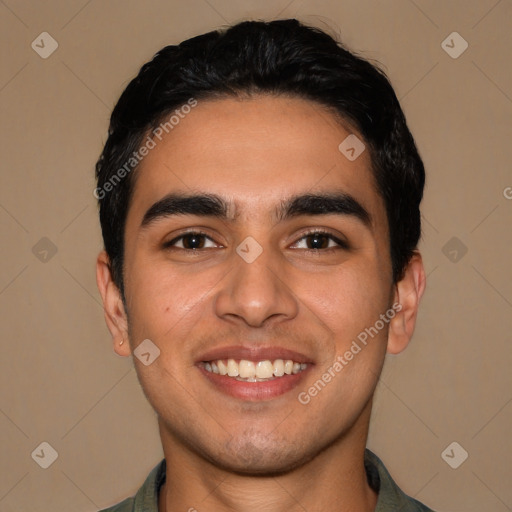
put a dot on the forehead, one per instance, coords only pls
(253, 152)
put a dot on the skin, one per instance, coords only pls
(224, 453)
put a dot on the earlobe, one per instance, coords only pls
(113, 307)
(408, 293)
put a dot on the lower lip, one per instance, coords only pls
(255, 391)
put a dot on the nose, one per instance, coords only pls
(256, 293)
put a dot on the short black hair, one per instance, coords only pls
(281, 57)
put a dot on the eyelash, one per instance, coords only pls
(341, 244)
(169, 245)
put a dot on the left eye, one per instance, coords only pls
(318, 240)
(192, 241)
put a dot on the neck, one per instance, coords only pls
(335, 479)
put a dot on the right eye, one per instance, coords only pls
(191, 241)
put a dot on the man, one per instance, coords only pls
(259, 201)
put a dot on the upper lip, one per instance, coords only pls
(252, 353)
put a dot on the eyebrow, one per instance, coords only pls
(204, 205)
(339, 203)
(211, 205)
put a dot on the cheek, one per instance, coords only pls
(163, 298)
(349, 299)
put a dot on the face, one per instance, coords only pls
(267, 245)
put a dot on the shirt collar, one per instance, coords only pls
(390, 497)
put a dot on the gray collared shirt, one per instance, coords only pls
(391, 498)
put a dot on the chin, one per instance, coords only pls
(247, 458)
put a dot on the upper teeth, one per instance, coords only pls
(245, 369)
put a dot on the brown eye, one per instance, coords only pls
(191, 241)
(317, 241)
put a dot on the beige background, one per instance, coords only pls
(61, 382)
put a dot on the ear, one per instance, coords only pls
(115, 314)
(408, 293)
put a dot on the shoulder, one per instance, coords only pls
(124, 506)
(146, 499)
(390, 496)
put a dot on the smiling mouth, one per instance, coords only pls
(254, 371)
